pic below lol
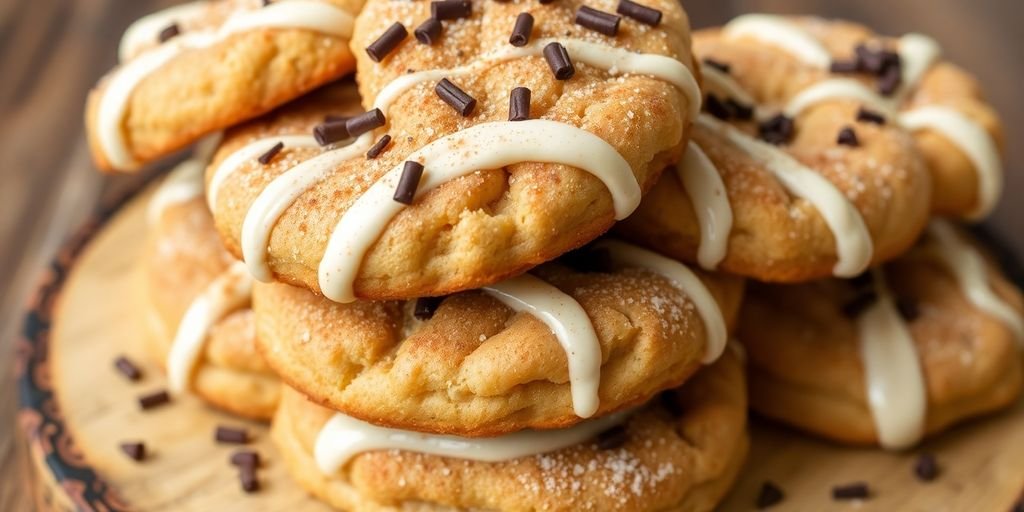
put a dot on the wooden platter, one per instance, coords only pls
(75, 410)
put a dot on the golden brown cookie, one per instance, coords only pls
(679, 453)
(201, 67)
(474, 367)
(182, 261)
(495, 197)
(937, 335)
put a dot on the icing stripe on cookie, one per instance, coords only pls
(248, 155)
(969, 268)
(854, 246)
(113, 105)
(625, 255)
(892, 371)
(230, 291)
(780, 32)
(145, 31)
(570, 324)
(704, 186)
(344, 437)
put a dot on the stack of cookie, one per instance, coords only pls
(412, 277)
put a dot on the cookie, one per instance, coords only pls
(201, 67)
(931, 340)
(681, 452)
(197, 301)
(583, 344)
(483, 197)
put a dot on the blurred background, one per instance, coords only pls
(52, 51)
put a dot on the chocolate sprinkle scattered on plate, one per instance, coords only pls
(521, 30)
(599, 21)
(769, 496)
(717, 64)
(451, 9)
(365, 122)
(247, 477)
(455, 97)
(641, 13)
(134, 450)
(387, 42)
(558, 60)
(170, 32)
(231, 435)
(426, 307)
(428, 32)
(405, 192)
(847, 137)
(854, 491)
(245, 458)
(267, 157)
(127, 368)
(870, 116)
(519, 104)
(612, 438)
(154, 400)
(379, 147)
(926, 468)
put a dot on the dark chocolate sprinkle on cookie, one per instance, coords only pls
(134, 450)
(428, 32)
(379, 147)
(451, 9)
(778, 130)
(519, 104)
(267, 157)
(231, 435)
(365, 122)
(641, 13)
(154, 400)
(558, 60)
(854, 491)
(521, 30)
(170, 32)
(717, 64)
(769, 496)
(405, 192)
(847, 137)
(870, 116)
(387, 42)
(455, 97)
(127, 368)
(598, 21)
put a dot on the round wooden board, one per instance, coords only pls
(76, 410)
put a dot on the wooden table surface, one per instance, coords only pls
(52, 51)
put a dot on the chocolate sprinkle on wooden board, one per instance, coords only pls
(135, 451)
(521, 30)
(641, 13)
(870, 116)
(769, 496)
(778, 130)
(854, 491)
(267, 157)
(558, 60)
(170, 32)
(426, 307)
(153, 400)
(519, 104)
(231, 435)
(405, 192)
(245, 458)
(428, 32)
(455, 97)
(387, 42)
(859, 304)
(329, 132)
(848, 137)
(926, 468)
(247, 477)
(599, 21)
(365, 122)
(717, 64)
(127, 368)
(451, 9)
(379, 147)
(612, 438)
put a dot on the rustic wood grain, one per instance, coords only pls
(51, 51)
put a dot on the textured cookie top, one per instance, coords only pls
(809, 344)
(477, 368)
(680, 452)
(201, 67)
(465, 227)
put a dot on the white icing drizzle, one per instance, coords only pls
(969, 268)
(681, 277)
(185, 181)
(344, 437)
(707, 193)
(113, 105)
(145, 31)
(892, 371)
(854, 246)
(570, 324)
(918, 53)
(249, 154)
(228, 292)
(839, 89)
(781, 32)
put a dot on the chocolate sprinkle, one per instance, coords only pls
(715, 107)
(365, 122)
(329, 132)
(455, 97)
(612, 438)
(170, 32)
(890, 80)
(451, 9)
(154, 400)
(426, 307)
(134, 451)
(330, 118)
(379, 147)
(908, 309)
(777, 130)
(854, 491)
(870, 116)
(739, 110)
(387, 42)
(769, 496)
(558, 61)
(428, 32)
(245, 458)
(859, 304)
(848, 137)
(926, 468)
(717, 64)
(845, 66)
(641, 13)
(266, 158)
(521, 30)
(247, 477)
(519, 104)
(599, 21)
(868, 60)
(409, 182)
(127, 368)
(231, 435)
